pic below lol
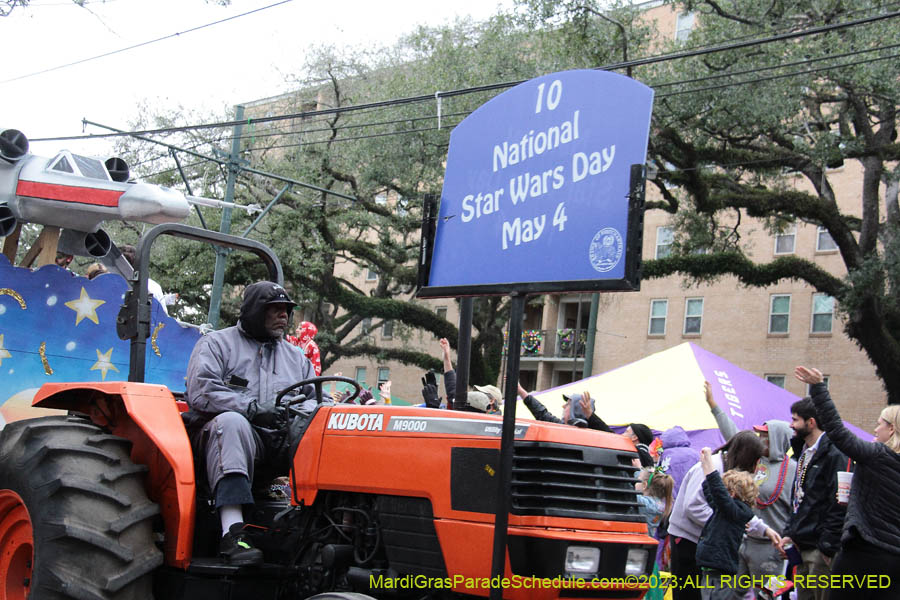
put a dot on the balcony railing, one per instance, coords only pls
(552, 343)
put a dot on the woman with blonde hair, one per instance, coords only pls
(870, 542)
(655, 503)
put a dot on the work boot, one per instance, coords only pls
(237, 549)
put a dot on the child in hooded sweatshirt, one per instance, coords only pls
(730, 496)
(759, 556)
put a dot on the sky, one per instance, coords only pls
(207, 71)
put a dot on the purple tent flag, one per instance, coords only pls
(666, 389)
(747, 399)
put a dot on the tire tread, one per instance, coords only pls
(90, 514)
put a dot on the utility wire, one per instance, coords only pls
(805, 61)
(502, 85)
(147, 43)
(655, 86)
(730, 84)
(665, 95)
(244, 136)
(343, 139)
(779, 76)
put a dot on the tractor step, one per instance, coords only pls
(213, 579)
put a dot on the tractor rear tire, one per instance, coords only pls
(75, 521)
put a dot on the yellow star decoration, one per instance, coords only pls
(4, 353)
(85, 307)
(104, 363)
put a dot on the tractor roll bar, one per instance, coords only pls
(133, 322)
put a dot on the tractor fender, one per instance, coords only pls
(148, 416)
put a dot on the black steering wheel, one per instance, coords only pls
(317, 382)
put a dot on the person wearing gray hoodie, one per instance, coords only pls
(758, 557)
(233, 377)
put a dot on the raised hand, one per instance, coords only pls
(810, 376)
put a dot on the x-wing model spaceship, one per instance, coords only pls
(76, 194)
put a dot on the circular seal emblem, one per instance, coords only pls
(606, 249)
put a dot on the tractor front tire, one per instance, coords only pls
(75, 521)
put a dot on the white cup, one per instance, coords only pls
(845, 478)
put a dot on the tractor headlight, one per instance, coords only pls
(581, 560)
(636, 561)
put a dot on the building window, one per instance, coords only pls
(366, 325)
(776, 380)
(360, 375)
(371, 275)
(822, 313)
(824, 241)
(658, 311)
(441, 312)
(825, 379)
(387, 329)
(664, 238)
(693, 316)
(384, 374)
(785, 241)
(779, 313)
(684, 23)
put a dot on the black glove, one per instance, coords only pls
(430, 390)
(430, 379)
(275, 417)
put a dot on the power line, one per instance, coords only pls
(283, 133)
(147, 43)
(773, 67)
(501, 85)
(655, 86)
(779, 76)
(343, 139)
(350, 126)
(681, 92)
(69, 3)
(665, 95)
(243, 168)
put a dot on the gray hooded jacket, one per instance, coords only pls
(774, 489)
(230, 371)
(242, 368)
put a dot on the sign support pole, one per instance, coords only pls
(463, 353)
(588, 367)
(507, 440)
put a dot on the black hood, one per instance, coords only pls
(257, 297)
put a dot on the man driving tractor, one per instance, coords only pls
(233, 377)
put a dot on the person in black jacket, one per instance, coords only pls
(474, 400)
(814, 525)
(573, 411)
(730, 496)
(870, 544)
(578, 410)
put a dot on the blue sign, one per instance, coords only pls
(536, 188)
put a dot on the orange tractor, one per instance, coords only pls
(104, 502)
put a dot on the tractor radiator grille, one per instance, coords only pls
(583, 482)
